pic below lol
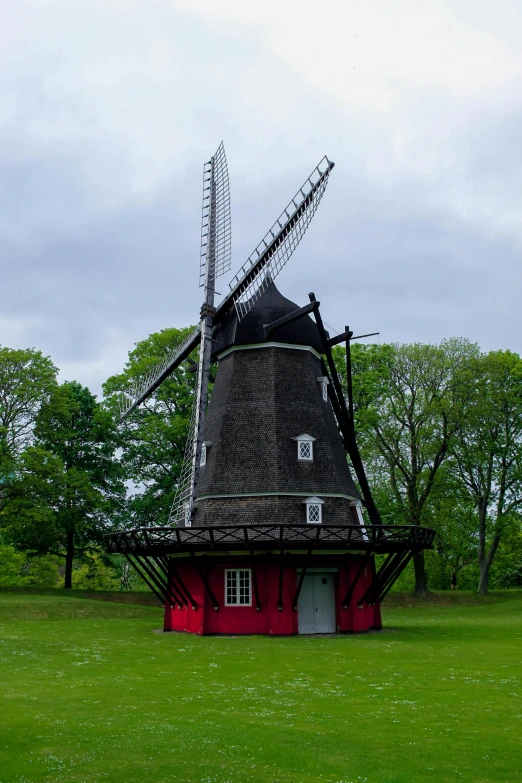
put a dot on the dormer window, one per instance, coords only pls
(323, 384)
(188, 520)
(305, 447)
(314, 510)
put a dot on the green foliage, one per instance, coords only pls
(94, 574)
(69, 485)
(26, 380)
(20, 568)
(153, 437)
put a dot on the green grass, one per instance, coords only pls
(89, 693)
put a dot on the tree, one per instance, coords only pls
(153, 437)
(409, 404)
(487, 452)
(26, 380)
(69, 485)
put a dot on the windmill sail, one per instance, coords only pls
(216, 254)
(215, 257)
(216, 224)
(147, 385)
(182, 504)
(263, 265)
(276, 247)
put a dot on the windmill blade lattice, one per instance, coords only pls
(148, 384)
(274, 250)
(216, 225)
(182, 504)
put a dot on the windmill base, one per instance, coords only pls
(288, 594)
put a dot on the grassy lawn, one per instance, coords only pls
(89, 693)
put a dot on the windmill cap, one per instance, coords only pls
(270, 307)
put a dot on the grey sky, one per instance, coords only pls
(108, 110)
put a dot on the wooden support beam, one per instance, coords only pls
(288, 319)
(180, 599)
(301, 580)
(205, 581)
(254, 580)
(182, 585)
(355, 581)
(393, 577)
(281, 571)
(161, 598)
(345, 424)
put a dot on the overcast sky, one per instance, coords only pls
(108, 110)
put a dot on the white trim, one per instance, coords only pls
(304, 436)
(254, 346)
(235, 571)
(273, 494)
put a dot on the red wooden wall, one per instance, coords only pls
(247, 619)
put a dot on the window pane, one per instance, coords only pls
(314, 512)
(244, 587)
(305, 450)
(231, 584)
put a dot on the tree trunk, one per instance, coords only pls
(421, 577)
(485, 565)
(483, 578)
(69, 556)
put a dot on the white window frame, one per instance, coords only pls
(188, 520)
(323, 380)
(203, 458)
(301, 441)
(315, 503)
(237, 588)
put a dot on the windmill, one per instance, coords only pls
(266, 531)
(262, 266)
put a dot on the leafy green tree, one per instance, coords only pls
(20, 568)
(70, 484)
(153, 437)
(26, 380)
(94, 574)
(487, 452)
(409, 402)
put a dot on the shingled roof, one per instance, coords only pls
(268, 393)
(271, 306)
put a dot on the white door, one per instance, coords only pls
(316, 607)
(305, 606)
